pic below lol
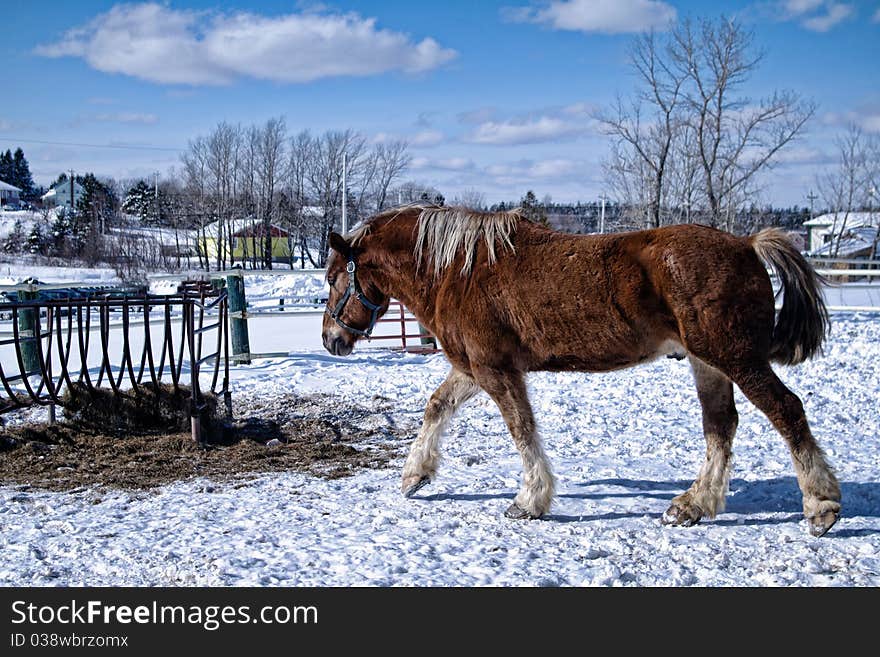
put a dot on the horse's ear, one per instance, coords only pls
(338, 244)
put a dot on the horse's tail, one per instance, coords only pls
(802, 322)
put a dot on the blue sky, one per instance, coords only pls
(497, 96)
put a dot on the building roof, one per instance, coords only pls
(6, 187)
(853, 220)
(258, 230)
(77, 189)
(855, 241)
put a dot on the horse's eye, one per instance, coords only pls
(331, 281)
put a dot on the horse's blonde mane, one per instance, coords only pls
(443, 232)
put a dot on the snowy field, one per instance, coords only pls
(622, 445)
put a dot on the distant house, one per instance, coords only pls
(855, 242)
(247, 241)
(60, 195)
(9, 194)
(824, 228)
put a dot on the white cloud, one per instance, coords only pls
(423, 138)
(835, 13)
(524, 171)
(426, 138)
(6, 124)
(157, 43)
(871, 123)
(815, 15)
(127, 117)
(552, 168)
(606, 16)
(800, 155)
(867, 118)
(876, 17)
(480, 115)
(448, 164)
(550, 125)
(798, 7)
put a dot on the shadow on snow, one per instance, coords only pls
(780, 495)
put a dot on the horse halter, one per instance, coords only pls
(354, 289)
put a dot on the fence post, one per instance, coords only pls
(402, 324)
(241, 346)
(27, 325)
(426, 338)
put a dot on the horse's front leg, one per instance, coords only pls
(508, 390)
(424, 454)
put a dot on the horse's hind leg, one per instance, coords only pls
(424, 454)
(508, 390)
(821, 492)
(707, 494)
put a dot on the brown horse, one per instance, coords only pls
(505, 296)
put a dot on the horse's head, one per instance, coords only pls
(355, 303)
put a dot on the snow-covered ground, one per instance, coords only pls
(622, 444)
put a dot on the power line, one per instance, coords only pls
(67, 143)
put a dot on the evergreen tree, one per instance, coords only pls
(15, 240)
(21, 175)
(140, 201)
(36, 241)
(62, 231)
(532, 210)
(96, 206)
(6, 167)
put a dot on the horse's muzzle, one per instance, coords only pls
(337, 345)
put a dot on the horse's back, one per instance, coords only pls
(603, 302)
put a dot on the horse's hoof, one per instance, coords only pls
(679, 516)
(517, 513)
(416, 487)
(820, 523)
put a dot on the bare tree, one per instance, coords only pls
(685, 193)
(249, 198)
(222, 155)
(629, 178)
(872, 182)
(195, 167)
(300, 153)
(649, 138)
(270, 150)
(689, 141)
(392, 160)
(416, 191)
(325, 180)
(735, 137)
(845, 188)
(470, 198)
(260, 175)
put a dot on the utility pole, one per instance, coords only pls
(72, 199)
(872, 192)
(602, 198)
(811, 197)
(156, 195)
(344, 200)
